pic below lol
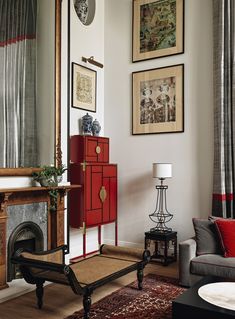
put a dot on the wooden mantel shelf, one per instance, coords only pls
(37, 189)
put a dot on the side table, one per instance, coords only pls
(165, 238)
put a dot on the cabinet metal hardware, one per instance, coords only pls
(103, 194)
(83, 166)
(98, 149)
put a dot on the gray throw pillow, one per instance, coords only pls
(207, 238)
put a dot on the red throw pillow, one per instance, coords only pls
(226, 230)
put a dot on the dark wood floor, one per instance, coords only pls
(60, 301)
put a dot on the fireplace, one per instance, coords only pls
(27, 227)
(20, 206)
(26, 235)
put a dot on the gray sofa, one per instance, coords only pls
(193, 267)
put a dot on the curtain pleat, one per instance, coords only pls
(18, 132)
(224, 110)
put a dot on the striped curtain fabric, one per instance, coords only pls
(18, 138)
(224, 108)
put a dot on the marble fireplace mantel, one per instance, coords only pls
(28, 195)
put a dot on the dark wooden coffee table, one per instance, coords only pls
(190, 306)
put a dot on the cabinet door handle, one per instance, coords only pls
(98, 149)
(103, 194)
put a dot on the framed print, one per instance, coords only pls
(158, 28)
(158, 100)
(83, 88)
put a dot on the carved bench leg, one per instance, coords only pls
(39, 293)
(87, 305)
(140, 276)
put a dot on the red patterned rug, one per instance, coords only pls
(153, 302)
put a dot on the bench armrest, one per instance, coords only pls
(46, 260)
(127, 253)
(187, 251)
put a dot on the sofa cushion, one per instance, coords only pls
(213, 265)
(206, 237)
(226, 230)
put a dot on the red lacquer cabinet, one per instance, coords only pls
(96, 203)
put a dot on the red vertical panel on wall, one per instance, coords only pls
(106, 153)
(91, 155)
(76, 196)
(113, 198)
(88, 187)
(103, 156)
(106, 206)
(94, 217)
(77, 149)
(96, 187)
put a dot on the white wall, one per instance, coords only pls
(191, 152)
(87, 41)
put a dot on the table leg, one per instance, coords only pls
(165, 263)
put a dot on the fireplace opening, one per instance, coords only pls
(27, 235)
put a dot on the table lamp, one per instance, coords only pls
(161, 215)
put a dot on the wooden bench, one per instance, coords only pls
(83, 276)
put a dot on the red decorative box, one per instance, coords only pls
(91, 149)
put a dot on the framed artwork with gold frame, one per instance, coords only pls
(158, 28)
(158, 100)
(83, 88)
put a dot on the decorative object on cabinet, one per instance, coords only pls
(161, 214)
(96, 203)
(87, 124)
(92, 60)
(85, 10)
(158, 28)
(96, 128)
(158, 103)
(83, 88)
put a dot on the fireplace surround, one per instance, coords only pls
(15, 206)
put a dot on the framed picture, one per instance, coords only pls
(158, 28)
(158, 100)
(83, 88)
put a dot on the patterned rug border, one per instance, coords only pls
(148, 277)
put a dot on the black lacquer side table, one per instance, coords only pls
(164, 239)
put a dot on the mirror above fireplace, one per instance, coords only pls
(47, 88)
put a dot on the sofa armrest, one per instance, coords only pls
(187, 251)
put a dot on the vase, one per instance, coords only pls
(50, 181)
(96, 128)
(87, 124)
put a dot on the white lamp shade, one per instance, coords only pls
(162, 170)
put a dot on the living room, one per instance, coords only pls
(108, 38)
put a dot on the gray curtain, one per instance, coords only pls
(18, 142)
(224, 108)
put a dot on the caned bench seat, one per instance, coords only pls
(83, 276)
